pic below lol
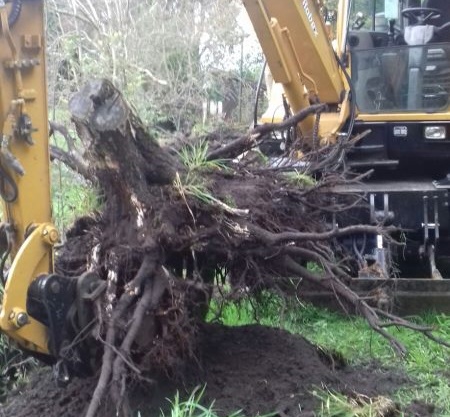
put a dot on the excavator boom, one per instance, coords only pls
(291, 34)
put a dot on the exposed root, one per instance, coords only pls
(132, 291)
(146, 306)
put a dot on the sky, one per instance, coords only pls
(251, 44)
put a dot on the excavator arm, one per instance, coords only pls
(41, 310)
(301, 58)
(24, 167)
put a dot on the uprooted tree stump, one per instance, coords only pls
(173, 223)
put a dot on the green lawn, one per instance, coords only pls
(426, 362)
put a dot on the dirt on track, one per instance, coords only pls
(253, 368)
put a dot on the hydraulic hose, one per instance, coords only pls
(3, 260)
(14, 14)
(352, 96)
(8, 188)
(258, 92)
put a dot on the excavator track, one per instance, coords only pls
(402, 296)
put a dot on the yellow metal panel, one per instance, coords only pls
(23, 92)
(403, 117)
(33, 202)
(312, 46)
(295, 89)
(262, 26)
(341, 26)
(294, 39)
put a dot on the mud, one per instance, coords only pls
(263, 370)
(251, 368)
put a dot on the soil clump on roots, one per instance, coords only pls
(252, 368)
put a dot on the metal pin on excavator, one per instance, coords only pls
(387, 71)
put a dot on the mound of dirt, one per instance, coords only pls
(261, 370)
(251, 368)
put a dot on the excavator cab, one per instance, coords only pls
(400, 63)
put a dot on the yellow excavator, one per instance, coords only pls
(40, 310)
(29, 235)
(383, 67)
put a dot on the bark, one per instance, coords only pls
(124, 157)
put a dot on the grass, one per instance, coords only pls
(195, 158)
(351, 337)
(337, 405)
(300, 179)
(14, 366)
(192, 407)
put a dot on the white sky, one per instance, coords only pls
(245, 23)
(251, 43)
(251, 47)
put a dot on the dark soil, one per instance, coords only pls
(252, 368)
(261, 370)
(419, 409)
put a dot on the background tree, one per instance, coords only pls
(162, 54)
